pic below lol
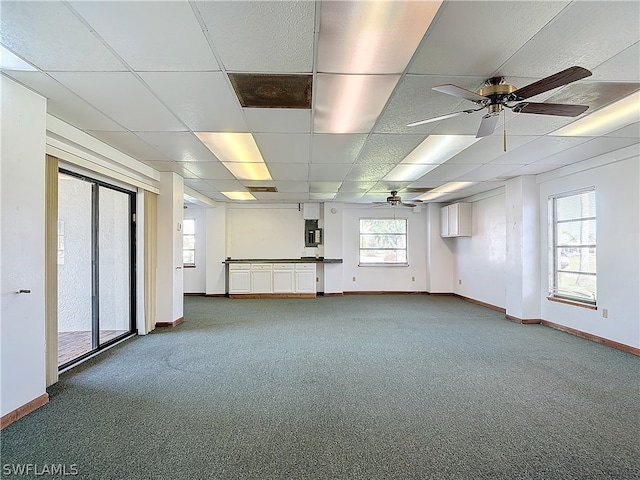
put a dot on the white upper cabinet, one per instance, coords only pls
(455, 220)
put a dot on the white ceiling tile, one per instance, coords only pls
(532, 169)
(278, 120)
(324, 187)
(531, 124)
(538, 148)
(371, 37)
(262, 36)
(328, 172)
(489, 149)
(385, 148)
(486, 172)
(122, 97)
(322, 196)
(622, 67)
(364, 172)
(292, 187)
(198, 184)
(64, 104)
(415, 100)
(630, 131)
(179, 146)
(130, 144)
(446, 172)
(204, 101)
(170, 166)
(283, 148)
(348, 197)
(584, 34)
(483, 35)
(387, 186)
(356, 187)
(586, 150)
(281, 197)
(226, 185)
(51, 37)
(151, 35)
(336, 148)
(208, 170)
(289, 171)
(350, 103)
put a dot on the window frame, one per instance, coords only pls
(189, 265)
(384, 264)
(555, 246)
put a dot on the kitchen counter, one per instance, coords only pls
(283, 260)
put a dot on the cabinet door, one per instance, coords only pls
(454, 220)
(306, 278)
(444, 222)
(239, 281)
(261, 281)
(283, 281)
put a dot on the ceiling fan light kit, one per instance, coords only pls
(497, 94)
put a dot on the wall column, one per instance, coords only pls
(523, 249)
(215, 276)
(439, 254)
(170, 274)
(333, 248)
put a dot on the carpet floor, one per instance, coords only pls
(353, 387)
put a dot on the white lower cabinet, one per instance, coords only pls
(261, 278)
(283, 278)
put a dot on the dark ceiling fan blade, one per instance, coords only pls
(556, 80)
(407, 204)
(487, 125)
(441, 117)
(559, 109)
(460, 92)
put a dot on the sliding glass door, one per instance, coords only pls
(96, 288)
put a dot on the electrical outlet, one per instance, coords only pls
(354, 279)
(605, 313)
(317, 279)
(413, 279)
(460, 282)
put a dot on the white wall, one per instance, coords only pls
(618, 250)
(480, 260)
(216, 250)
(439, 254)
(387, 278)
(22, 352)
(195, 278)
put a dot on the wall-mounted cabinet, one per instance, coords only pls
(455, 220)
(311, 211)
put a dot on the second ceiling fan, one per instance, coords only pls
(497, 95)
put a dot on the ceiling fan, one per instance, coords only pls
(497, 94)
(395, 201)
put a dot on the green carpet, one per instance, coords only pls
(353, 387)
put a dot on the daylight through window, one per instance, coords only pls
(383, 241)
(573, 246)
(189, 242)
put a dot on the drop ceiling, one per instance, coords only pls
(146, 77)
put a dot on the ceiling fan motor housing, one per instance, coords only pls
(497, 92)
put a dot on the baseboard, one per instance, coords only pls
(523, 321)
(593, 338)
(194, 294)
(339, 294)
(175, 323)
(25, 409)
(217, 295)
(483, 304)
(442, 294)
(272, 295)
(368, 292)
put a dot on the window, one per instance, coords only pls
(573, 246)
(189, 242)
(383, 241)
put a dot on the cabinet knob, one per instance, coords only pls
(24, 290)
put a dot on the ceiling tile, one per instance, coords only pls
(490, 148)
(292, 187)
(151, 35)
(324, 187)
(179, 146)
(586, 150)
(363, 172)
(48, 34)
(486, 172)
(283, 148)
(630, 131)
(130, 144)
(356, 187)
(328, 172)
(371, 37)
(253, 36)
(198, 184)
(538, 148)
(204, 101)
(531, 124)
(280, 197)
(480, 41)
(350, 103)
(348, 197)
(322, 196)
(415, 100)
(208, 170)
(574, 38)
(226, 185)
(532, 169)
(385, 148)
(64, 104)
(446, 172)
(275, 120)
(387, 186)
(336, 148)
(170, 166)
(289, 171)
(122, 97)
(622, 67)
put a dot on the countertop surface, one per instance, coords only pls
(284, 260)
